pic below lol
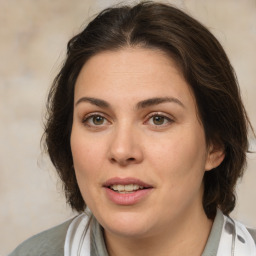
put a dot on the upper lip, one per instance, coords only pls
(125, 181)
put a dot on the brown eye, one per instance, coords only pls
(158, 120)
(95, 120)
(98, 120)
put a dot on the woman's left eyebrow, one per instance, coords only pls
(158, 100)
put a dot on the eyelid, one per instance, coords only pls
(161, 114)
(92, 114)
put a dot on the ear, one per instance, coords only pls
(215, 156)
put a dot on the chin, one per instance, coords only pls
(130, 231)
(126, 224)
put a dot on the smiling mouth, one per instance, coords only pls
(126, 185)
(127, 191)
(130, 188)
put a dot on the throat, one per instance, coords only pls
(187, 240)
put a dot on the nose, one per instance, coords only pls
(125, 147)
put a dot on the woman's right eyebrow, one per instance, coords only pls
(94, 101)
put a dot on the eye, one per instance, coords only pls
(159, 120)
(95, 120)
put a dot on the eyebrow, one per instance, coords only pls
(94, 101)
(158, 100)
(139, 105)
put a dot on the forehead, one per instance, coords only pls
(132, 72)
(131, 60)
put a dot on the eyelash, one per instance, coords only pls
(167, 120)
(89, 117)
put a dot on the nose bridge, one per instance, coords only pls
(124, 146)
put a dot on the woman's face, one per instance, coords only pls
(138, 146)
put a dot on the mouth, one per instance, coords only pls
(126, 185)
(127, 191)
(130, 188)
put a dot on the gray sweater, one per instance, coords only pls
(47, 243)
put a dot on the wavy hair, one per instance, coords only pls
(205, 67)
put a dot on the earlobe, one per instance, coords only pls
(214, 158)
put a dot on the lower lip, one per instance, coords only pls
(127, 198)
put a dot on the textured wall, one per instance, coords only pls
(33, 36)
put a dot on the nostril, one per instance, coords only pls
(123, 161)
(113, 160)
(131, 159)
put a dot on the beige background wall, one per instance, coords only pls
(33, 37)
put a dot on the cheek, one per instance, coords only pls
(181, 155)
(179, 167)
(87, 156)
(86, 151)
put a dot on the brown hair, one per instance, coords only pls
(205, 67)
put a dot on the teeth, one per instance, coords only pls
(126, 188)
(130, 187)
(120, 187)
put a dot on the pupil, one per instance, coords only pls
(158, 120)
(98, 120)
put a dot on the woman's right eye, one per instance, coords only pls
(95, 120)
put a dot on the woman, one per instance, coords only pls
(147, 130)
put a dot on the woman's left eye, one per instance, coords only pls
(159, 120)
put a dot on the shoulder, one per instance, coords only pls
(49, 242)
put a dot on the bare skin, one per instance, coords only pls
(136, 117)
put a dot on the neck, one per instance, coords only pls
(187, 236)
